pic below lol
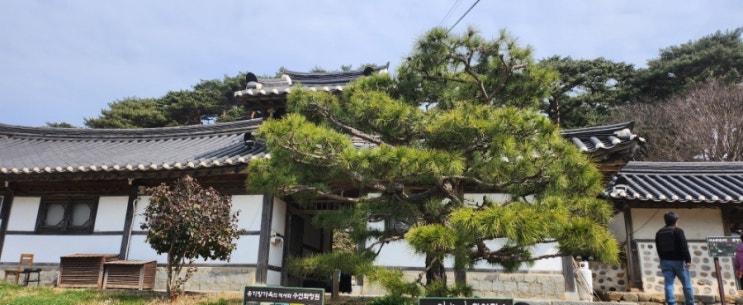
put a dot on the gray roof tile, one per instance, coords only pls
(606, 142)
(698, 182)
(42, 150)
(330, 81)
(28, 151)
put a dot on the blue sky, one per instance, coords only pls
(63, 61)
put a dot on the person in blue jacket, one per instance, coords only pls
(675, 259)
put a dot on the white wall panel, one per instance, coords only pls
(278, 225)
(139, 207)
(273, 278)
(696, 223)
(247, 245)
(49, 248)
(251, 208)
(111, 214)
(245, 253)
(23, 214)
(617, 227)
(399, 254)
(139, 249)
(278, 221)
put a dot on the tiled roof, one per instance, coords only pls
(28, 151)
(606, 142)
(698, 182)
(331, 81)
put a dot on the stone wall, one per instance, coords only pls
(703, 275)
(608, 278)
(704, 278)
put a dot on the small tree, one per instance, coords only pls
(189, 222)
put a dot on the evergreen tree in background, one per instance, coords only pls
(587, 90)
(584, 94)
(679, 68)
(210, 101)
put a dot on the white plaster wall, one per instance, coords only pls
(246, 251)
(697, 224)
(49, 248)
(111, 214)
(617, 227)
(23, 215)
(273, 278)
(278, 225)
(140, 204)
(400, 254)
(139, 249)
(250, 207)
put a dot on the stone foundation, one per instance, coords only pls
(517, 285)
(491, 285)
(207, 279)
(48, 276)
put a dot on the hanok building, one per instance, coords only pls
(706, 195)
(78, 194)
(267, 96)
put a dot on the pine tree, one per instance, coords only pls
(461, 116)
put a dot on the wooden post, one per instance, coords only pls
(337, 279)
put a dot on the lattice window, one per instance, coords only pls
(71, 215)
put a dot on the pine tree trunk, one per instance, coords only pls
(436, 271)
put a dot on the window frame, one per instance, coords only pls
(68, 203)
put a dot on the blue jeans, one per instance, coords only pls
(672, 270)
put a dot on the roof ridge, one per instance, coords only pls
(598, 129)
(687, 168)
(10, 131)
(357, 72)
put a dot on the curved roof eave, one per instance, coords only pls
(678, 182)
(45, 151)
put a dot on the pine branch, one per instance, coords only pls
(382, 242)
(324, 112)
